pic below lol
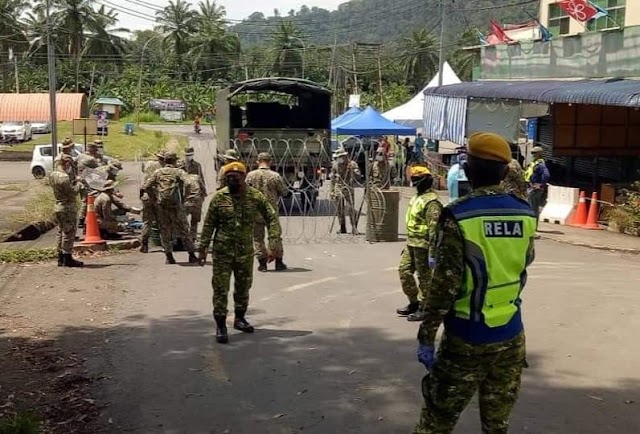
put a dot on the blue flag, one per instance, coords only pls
(601, 12)
(545, 34)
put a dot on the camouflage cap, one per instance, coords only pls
(231, 155)
(189, 152)
(264, 156)
(67, 143)
(170, 156)
(340, 152)
(115, 164)
(98, 142)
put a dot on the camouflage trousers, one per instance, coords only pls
(173, 221)
(415, 260)
(194, 213)
(223, 266)
(259, 230)
(67, 221)
(344, 200)
(461, 370)
(83, 205)
(148, 218)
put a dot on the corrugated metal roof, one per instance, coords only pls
(35, 106)
(614, 92)
(110, 101)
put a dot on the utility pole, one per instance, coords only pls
(15, 64)
(441, 56)
(380, 78)
(51, 61)
(355, 71)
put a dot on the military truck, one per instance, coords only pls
(288, 117)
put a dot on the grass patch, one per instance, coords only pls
(18, 256)
(22, 423)
(40, 208)
(143, 143)
(14, 187)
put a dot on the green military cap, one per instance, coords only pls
(264, 156)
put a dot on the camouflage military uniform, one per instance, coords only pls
(425, 212)
(193, 200)
(105, 204)
(270, 184)
(229, 221)
(461, 368)
(149, 214)
(65, 190)
(194, 168)
(382, 174)
(172, 219)
(514, 182)
(85, 162)
(343, 178)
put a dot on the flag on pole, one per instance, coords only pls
(601, 12)
(482, 38)
(497, 33)
(545, 34)
(579, 10)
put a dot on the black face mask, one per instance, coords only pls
(233, 184)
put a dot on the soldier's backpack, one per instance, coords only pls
(168, 188)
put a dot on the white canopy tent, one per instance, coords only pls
(410, 113)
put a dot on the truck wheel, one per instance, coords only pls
(38, 172)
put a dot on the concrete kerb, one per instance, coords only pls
(590, 246)
(115, 245)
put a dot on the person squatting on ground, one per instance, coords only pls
(485, 244)
(149, 201)
(422, 217)
(270, 184)
(167, 185)
(65, 189)
(344, 174)
(229, 221)
(108, 206)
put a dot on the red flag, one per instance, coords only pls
(498, 34)
(580, 10)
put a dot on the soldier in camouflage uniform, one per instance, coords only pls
(272, 185)
(229, 156)
(87, 161)
(110, 169)
(148, 198)
(230, 218)
(100, 153)
(344, 174)
(514, 182)
(167, 184)
(192, 167)
(67, 148)
(422, 216)
(65, 189)
(485, 244)
(193, 200)
(108, 205)
(382, 172)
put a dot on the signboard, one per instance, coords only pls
(85, 127)
(167, 105)
(171, 116)
(354, 101)
(102, 118)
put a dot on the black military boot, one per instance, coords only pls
(170, 259)
(262, 265)
(280, 266)
(193, 259)
(417, 316)
(222, 336)
(343, 229)
(144, 246)
(409, 309)
(68, 261)
(240, 323)
(60, 259)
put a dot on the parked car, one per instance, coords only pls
(41, 127)
(42, 160)
(19, 131)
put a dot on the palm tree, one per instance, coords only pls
(464, 60)
(288, 49)
(213, 47)
(177, 21)
(71, 19)
(12, 36)
(103, 39)
(419, 58)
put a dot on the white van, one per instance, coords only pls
(42, 160)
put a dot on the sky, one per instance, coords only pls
(236, 9)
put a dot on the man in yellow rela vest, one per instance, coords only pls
(422, 216)
(485, 244)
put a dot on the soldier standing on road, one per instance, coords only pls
(344, 174)
(271, 184)
(108, 205)
(192, 167)
(230, 218)
(149, 201)
(229, 156)
(422, 218)
(65, 189)
(193, 200)
(382, 171)
(67, 147)
(485, 244)
(537, 177)
(514, 182)
(87, 161)
(167, 185)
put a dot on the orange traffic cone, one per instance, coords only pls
(91, 224)
(580, 217)
(594, 213)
